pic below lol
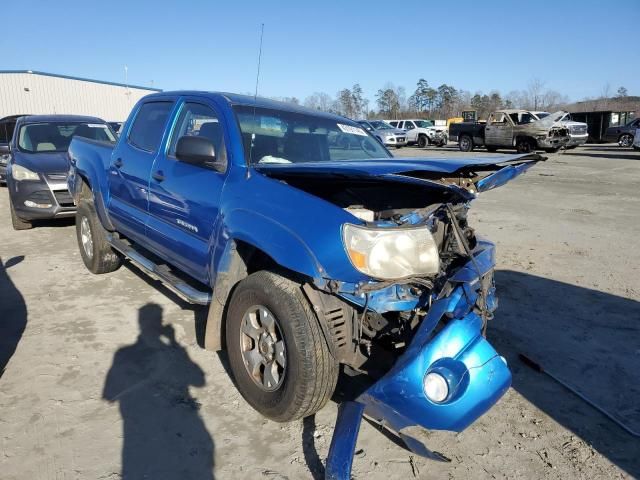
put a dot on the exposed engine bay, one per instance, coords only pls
(360, 332)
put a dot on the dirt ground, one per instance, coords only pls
(107, 374)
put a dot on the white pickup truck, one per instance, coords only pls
(422, 132)
(578, 133)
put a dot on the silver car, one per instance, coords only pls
(388, 135)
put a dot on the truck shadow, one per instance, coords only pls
(164, 436)
(587, 338)
(13, 313)
(612, 154)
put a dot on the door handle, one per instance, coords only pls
(158, 176)
(118, 163)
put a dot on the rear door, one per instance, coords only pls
(131, 164)
(499, 130)
(184, 199)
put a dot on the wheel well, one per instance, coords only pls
(526, 137)
(625, 133)
(244, 260)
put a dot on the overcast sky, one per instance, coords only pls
(575, 47)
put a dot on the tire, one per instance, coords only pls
(465, 143)
(525, 145)
(552, 150)
(492, 149)
(398, 146)
(625, 140)
(96, 253)
(422, 141)
(307, 376)
(17, 222)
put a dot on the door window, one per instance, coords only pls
(198, 120)
(409, 125)
(498, 119)
(148, 126)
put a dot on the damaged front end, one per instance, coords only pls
(414, 324)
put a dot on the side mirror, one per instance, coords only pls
(198, 151)
(5, 148)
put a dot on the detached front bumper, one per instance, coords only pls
(42, 199)
(476, 375)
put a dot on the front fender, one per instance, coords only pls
(277, 240)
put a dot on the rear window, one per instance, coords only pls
(146, 131)
(56, 136)
(6, 131)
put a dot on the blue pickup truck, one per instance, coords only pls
(315, 251)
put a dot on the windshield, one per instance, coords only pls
(56, 137)
(542, 115)
(379, 125)
(277, 136)
(423, 123)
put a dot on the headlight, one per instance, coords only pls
(21, 173)
(436, 387)
(389, 253)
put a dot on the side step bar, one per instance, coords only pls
(160, 272)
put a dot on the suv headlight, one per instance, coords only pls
(390, 253)
(19, 173)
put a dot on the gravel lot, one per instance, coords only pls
(103, 359)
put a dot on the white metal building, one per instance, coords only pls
(31, 92)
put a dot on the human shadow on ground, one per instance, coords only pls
(164, 436)
(13, 313)
(587, 338)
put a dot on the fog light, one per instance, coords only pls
(435, 387)
(31, 204)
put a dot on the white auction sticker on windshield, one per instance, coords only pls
(352, 130)
(96, 125)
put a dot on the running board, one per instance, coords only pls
(160, 272)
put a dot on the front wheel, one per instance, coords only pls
(625, 140)
(525, 145)
(97, 254)
(16, 222)
(552, 150)
(278, 355)
(422, 141)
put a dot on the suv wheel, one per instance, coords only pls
(625, 140)
(97, 254)
(422, 141)
(17, 222)
(279, 357)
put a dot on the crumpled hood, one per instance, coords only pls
(465, 176)
(393, 166)
(54, 162)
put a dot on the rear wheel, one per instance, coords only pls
(17, 222)
(423, 141)
(625, 140)
(465, 143)
(97, 254)
(278, 355)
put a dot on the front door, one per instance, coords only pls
(184, 199)
(499, 131)
(412, 132)
(130, 167)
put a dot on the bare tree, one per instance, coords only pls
(535, 92)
